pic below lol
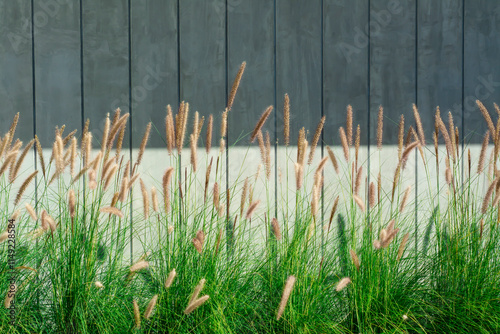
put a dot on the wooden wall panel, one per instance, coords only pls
(250, 39)
(57, 67)
(481, 64)
(105, 62)
(154, 67)
(15, 68)
(439, 62)
(298, 62)
(202, 59)
(345, 66)
(392, 34)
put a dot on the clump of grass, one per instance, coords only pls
(263, 269)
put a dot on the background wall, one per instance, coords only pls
(63, 61)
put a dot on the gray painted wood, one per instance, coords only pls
(250, 39)
(392, 65)
(154, 67)
(345, 66)
(482, 70)
(250, 35)
(202, 54)
(57, 66)
(299, 63)
(439, 62)
(15, 68)
(106, 80)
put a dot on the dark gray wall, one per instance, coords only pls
(324, 53)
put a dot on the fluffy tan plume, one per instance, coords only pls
(380, 127)
(208, 143)
(244, 192)
(252, 209)
(420, 129)
(236, 84)
(144, 142)
(195, 304)
(402, 246)
(355, 259)
(276, 229)
(170, 278)
(405, 199)
(348, 125)
(145, 199)
(23, 187)
(359, 202)
(343, 283)
(31, 211)
(137, 315)
(112, 210)
(487, 117)
(333, 159)
(170, 129)
(287, 290)
(286, 119)
(167, 176)
(151, 305)
(482, 155)
(260, 123)
(344, 142)
(154, 199)
(316, 138)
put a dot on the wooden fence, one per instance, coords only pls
(63, 61)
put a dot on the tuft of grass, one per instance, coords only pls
(91, 254)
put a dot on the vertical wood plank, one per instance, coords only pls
(392, 85)
(202, 54)
(250, 36)
(346, 51)
(298, 55)
(106, 82)
(15, 68)
(57, 66)
(250, 39)
(482, 70)
(345, 66)
(439, 62)
(154, 67)
(392, 32)
(298, 73)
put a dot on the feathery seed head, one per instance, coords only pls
(287, 290)
(170, 278)
(343, 283)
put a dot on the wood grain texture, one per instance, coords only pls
(106, 80)
(392, 33)
(345, 66)
(298, 70)
(154, 67)
(57, 66)
(202, 54)
(15, 68)
(439, 61)
(250, 39)
(482, 70)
